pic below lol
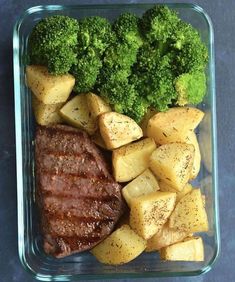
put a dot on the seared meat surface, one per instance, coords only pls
(79, 201)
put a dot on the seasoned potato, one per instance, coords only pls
(167, 236)
(46, 114)
(98, 140)
(172, 163)
(118, 130)
(144, 122)
(179, 194)
(191, 249)
(122, 246)
(96, 105)
(150, 212)
(174, 124)
(48, 88)
(76, 113)
(145, 183)
(189, 214)
(192, 139)
(131, 160)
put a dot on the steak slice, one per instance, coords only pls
(79, 201)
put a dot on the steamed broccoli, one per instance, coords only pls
(85, 71)
(191, 88)
(96, 33)
(158, 23)
(53, 43)
(126, 28)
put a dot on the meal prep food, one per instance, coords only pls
(116, 135)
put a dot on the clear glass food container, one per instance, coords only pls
(84, 265)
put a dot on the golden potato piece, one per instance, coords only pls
(144, 122)
(46, 114)
(192, 139)
(150, 212)
(131, 160)
(189, 214)
(76, 113)
(172, 163)
(97, 105)
(191, 249)
(174, 124)
(167, 236)
(179, 194)
(122, 246)
(118, 130)
(48, 88)
(144, 184)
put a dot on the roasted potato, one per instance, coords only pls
(179, 194)
(189, 214)
(191, 249)
(131, 160)
(172, 163)
(192, 139)
(118, 130)
(76, 113)
(46, 114)
(144, 122)
(122, 246)
(174, 124)
(48, 88)
(150, 212)
(167, 236)
(144, 184)
(96, 105)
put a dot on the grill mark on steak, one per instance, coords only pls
(79, 200)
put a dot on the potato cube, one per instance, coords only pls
(191, 249)
(189, 214)
(97, 105)
(122, 246)
(144, 184)
(174, 124)
(131, 160)
(118, 130)
(48, 88)
(76, 113)
(150, 212)
(179, 194)
(172, 163)
(192, 139)
(167, 236)
(46, 114)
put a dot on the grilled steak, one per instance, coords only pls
(78, 198)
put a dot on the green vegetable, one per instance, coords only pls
(94, 33)
(156, 61)
(85, 71)
(191, 88)
(53, 43)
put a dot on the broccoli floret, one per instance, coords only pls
(120, 55)
(153, 77)
(192, 57)
(96, 33)
(119, 93)
(191, 88)
(53, 43)
(158, 23)
(126, 28)
(85, 72)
